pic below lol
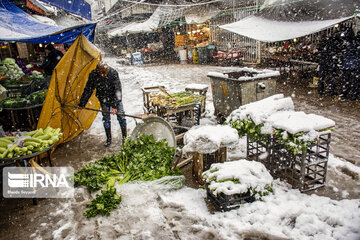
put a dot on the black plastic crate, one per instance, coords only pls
(224, 203)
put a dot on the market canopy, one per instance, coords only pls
(16, 25)
(200, 14)
(266, 30)
(161, 17)
(284, 20)
(77, 7)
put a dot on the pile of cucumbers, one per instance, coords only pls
(29, 143)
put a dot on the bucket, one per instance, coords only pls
(183, 56)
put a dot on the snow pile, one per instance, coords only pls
(295, 122)
(209, 138)
(286, 214)
(264, 73)
(237, 177)
(259, 111)
(196, 86)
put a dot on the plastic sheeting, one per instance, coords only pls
(16, 25)
(66, 87)
(266, 30)
(77, 7)
(200, 14)
(161, 17)
(280, 20)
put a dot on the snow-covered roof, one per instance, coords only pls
(259, 111)
(248, 173)
(209, 138)
(267, 30)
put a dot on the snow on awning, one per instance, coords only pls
(16, 25)
(266, 30)
(200, 14)
(44, 19)
(161, 17)
(77, 7)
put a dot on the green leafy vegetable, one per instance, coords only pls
(143, 159)
(104, 203)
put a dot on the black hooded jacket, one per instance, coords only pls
(108, 89)
(51, 61)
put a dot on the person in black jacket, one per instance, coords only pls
(108, 90)
(51, 60)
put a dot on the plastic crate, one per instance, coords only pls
(224, 203)
(305, 171)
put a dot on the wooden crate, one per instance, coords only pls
(202, 162)
(202, 92)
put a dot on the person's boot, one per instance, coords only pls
(123, 132)
(108, 137)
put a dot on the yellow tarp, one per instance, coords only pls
(66, 87)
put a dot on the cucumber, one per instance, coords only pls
(48, 130)
(39, 132)
(33, 139)
(44, 137)
(33, 144)
(2, 150)
(4, 144)
(5, 140)
(11, 138)
(30, 133)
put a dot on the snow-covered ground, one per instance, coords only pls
(151, 211)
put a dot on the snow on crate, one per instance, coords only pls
(238, 177)
(209, 138)
(196, 86)
(295, 122)
(259, 111)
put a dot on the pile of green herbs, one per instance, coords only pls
(142, 159)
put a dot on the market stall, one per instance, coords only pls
(25, 92)
(192, 42)
(22, 48)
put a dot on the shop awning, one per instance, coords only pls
(77, 7)
(16, 25)
(266, 30)
(287, 19)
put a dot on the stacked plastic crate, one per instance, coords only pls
(292, 145)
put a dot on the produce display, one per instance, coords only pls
(175, 99)
(8, 67)
(19, 102)
(36, 76)
(18, 73)
(143, 159)
(30, 142)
